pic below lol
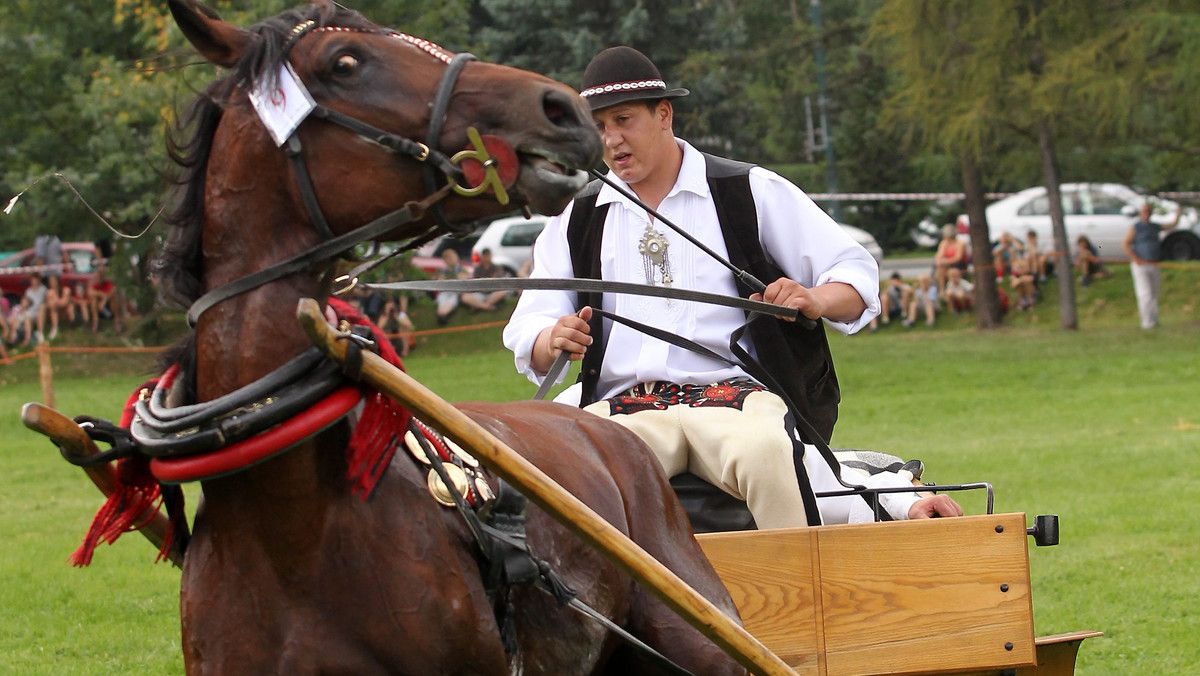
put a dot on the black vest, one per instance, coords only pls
(796, 357)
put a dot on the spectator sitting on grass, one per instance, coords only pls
(951, 254)
(1036, 262)
(447, 301)
(58, 301)
(924, 299)
(80, 303)
(959, 292)
(893, 301)
(103, 300)
(15, 319)
(398, 327)
(32, 303)
(1006, 253)
(1022, 282)
(486, 269)
(1087, 261)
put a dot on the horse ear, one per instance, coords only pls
(220, 42)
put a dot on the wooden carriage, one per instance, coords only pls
(932, 596)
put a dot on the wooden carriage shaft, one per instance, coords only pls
(75, 442)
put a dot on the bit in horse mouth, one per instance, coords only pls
(550, 170)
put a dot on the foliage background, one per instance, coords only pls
(89, 88)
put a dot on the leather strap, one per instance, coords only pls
(441, 104)
(377, 228)
(571, 284)
(162, 418)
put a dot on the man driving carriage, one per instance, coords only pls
(704, 414)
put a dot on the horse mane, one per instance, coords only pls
(179, 266)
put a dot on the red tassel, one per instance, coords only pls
(381, 428)
(374, 442)
(136, 496)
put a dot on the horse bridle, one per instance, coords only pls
(435, 161)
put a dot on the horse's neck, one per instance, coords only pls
(247, 230)
(244, 338)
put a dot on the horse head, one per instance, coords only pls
(389, 81)
(247, 203)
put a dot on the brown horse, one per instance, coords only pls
(287, 571)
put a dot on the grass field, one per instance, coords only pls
(1100, 426)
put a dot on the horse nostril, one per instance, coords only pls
(558, 109)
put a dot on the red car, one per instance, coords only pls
(15, 268)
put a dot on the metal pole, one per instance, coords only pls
(814, 10)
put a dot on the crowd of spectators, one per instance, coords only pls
(48, 306)
(1021, 269)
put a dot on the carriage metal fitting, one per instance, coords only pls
(98, 429)
(1044, 530)
(356, 341)
(356, 335)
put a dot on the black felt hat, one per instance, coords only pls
(620, 74)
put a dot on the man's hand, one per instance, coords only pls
(570, 334)
(935, 506)
(833, 300)
(789, 293)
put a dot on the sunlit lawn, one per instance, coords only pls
(1100, 426)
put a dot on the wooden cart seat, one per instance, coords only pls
(928, 596)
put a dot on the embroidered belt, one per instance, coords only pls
(658, 396)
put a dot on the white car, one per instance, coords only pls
(1101, 211)
(511, 241)
(866, 240)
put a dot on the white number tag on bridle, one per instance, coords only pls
(285, 107)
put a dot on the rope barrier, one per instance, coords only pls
(450, 329)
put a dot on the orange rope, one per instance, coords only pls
(450, 329)
(105, 350)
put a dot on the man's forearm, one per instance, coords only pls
(841, 301)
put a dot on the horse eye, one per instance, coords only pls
(345, 64)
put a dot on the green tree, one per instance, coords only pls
(86, 106)
(947, 99)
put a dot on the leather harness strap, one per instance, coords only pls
(338, 245)
(320, 253)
